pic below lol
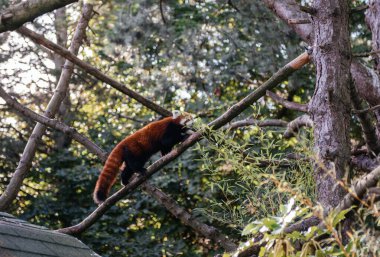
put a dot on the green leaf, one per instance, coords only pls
(340, 216)
(249, 229)
(271, 223)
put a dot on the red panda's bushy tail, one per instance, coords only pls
(108, 175)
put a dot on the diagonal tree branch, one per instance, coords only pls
(39, 39)
(294, 126)
(18, 14)
(359, 188)
(234, 111)
(22, 169)
(187, 219)
(19, 109)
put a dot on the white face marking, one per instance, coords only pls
(176, 114)
(189, 123)
(186, 122)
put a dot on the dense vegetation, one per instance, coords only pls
(196, 56)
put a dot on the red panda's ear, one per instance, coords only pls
(176, 114)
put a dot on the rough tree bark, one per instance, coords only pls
(22, 169)
(366, 80)
(18, 14)
(330, 105)
(372, 17)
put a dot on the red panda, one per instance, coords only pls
(135, 150)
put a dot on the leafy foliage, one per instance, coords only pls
(207, 55)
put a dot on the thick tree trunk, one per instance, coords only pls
(330, 105)
(367, 82)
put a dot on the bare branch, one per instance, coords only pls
(372, 196)
(39, 39)
(16, 15)
(308, 9)
(287, 104)
(358, 190)
(299, 21)
(26, 112)
(187, 219)
(302, 225)
(22, 169)
(359, 8)
(296, 124)
(234, 111)
(366, 54)
(364, 162)
(373, 108)
(368, 128)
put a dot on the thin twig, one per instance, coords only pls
(367, 109)
(308, 9)
(299, 21)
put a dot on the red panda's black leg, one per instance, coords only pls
(132, 164)
(172, 136)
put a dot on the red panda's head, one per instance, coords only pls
(183, 118)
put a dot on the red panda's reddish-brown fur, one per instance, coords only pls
(137, 148)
